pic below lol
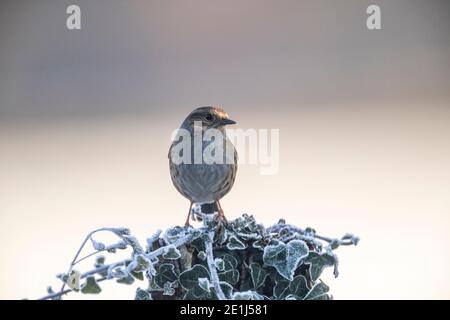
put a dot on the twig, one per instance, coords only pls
(278, 227)
(212, 268)
(90, 234)
(151, 255)
(84, 275)
(72, 264)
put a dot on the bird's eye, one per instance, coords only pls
(208, 117)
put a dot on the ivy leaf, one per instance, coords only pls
(318, 262)
(227, 289)
(204, 284)
(220, 264)
(189, 278)
(126, 280)
(230, 273)
(281, 289)
(189, 281)
(91, 286)
(142, 295)
(198, 244)
(168, 289)
(202, 255)
(258, 245)
(235, 244)
(318, 292)
(247, 295)
(258, 274)
(73, 280)
(99, 261)
(165, 274)
(99, 246)
(299, 286)
(172, 253)
(249, 236)
(173, 234)
(195, 233)
(138, 275)
(285, 258)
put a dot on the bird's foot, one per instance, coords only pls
(220, 217)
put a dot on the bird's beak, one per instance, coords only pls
(227, 121)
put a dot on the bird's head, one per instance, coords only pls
(210, 117)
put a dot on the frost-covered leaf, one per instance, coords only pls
(138, 275)
(168, 289)
(198, 244)
(116, 272)
(142, 263)
(121, 231)
(285, 258)
(202, 255)
(348, 236)
(121, 245)
(298, 286)
(281, 289)
(247, 295)
(172, 253)
(73, 280)
(318, 292)
(63, 277)
(235, 244)
(220, 264)
(165, 273)
(189, 281)
(227, 289)
(173, 234)
(99, 261)
(318, 262)
(142, 295)
(90, 286)
(258, 274)
(230, 273)
(195, 233)
(99, 246)
(204, 284)
(249, 236)
(189, 278)
(258, 245)
(126, 280)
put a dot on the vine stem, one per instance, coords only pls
(84, 275)
(151, 255)
(277, 228)
(212, 267)
(74, 260)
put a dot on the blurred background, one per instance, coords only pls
(364, 118)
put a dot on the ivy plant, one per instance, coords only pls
(239, 259)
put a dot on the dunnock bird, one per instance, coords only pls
(199, 180)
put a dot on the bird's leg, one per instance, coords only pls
(221, 214)
(187, 224)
